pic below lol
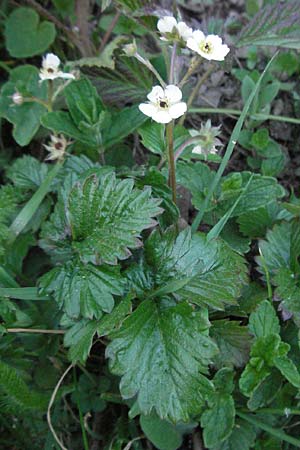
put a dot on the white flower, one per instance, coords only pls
(50, 69)
(57, 147)
(164, 104)
(209, 47)
(171, 29)
(17, 98)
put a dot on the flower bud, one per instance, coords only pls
(17, 98)
(130, 49)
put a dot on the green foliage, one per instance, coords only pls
(88, 121)
(15, 395)
(163, 434)
(26, 117)
(275, 25)
(161, 351)
(25, 35)
(104, 219)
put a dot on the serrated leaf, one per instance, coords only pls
(276, 249)
(103, 219)
(80, 336)
(288, 369)
(25, 35)
(263, 321)
(233, 341)
(195, 268)
(256, 223)
(161, 353)
(105, 59)
(266, 391)
(85, 290)
(276, 25)
(26, 117)
(287, 290)
(218, 420)
(27, 172)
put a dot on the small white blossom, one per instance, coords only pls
(17, 98)
(209, 47)
(56, 148)
(171, 29)
(164, 104)
(208, 139)
(50, 69)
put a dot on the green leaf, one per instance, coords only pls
(88, 121)
(161, 433)
(105, 59)
(218, 420)
(25, 35)
(161, 353)
(195, 268)
(288, 370)
(287, 290)
(233, 341)
(27, 172)
(256, 223)
(242, 437)
(266, 391)
(275, 25)
(263, 321)
(85, 290)
(26, 117)
(276, 249)
(23, 293)
(104, 218)
(153, 137)
(80, 338)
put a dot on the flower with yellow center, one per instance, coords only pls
(209, 47)
(164, 104)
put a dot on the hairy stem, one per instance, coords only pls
(193, 66)
(148, 64)
(172, 74)
(172, 170)
(196, 90)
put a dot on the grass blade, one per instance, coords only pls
(233, 139)
(23, 293)
(32, 205)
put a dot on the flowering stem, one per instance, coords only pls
(193, 66)
(50, 95)
(148, 64)
(172, 170)
(196, 89)
(172, 64)
(35, 100)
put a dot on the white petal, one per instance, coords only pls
(166, 24)
(193, 44)
(219, 53)
(162, 117)
(184, 31)
(177, 110)
(173, 93)
(156, 93)
(148, 109)
(67, 76)
(51, 60)
(214, 39)
(198, 36)
(197, 150)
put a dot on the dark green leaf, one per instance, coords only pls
(161, 433)
(85, 290)
(27, 172)
(160, 353)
